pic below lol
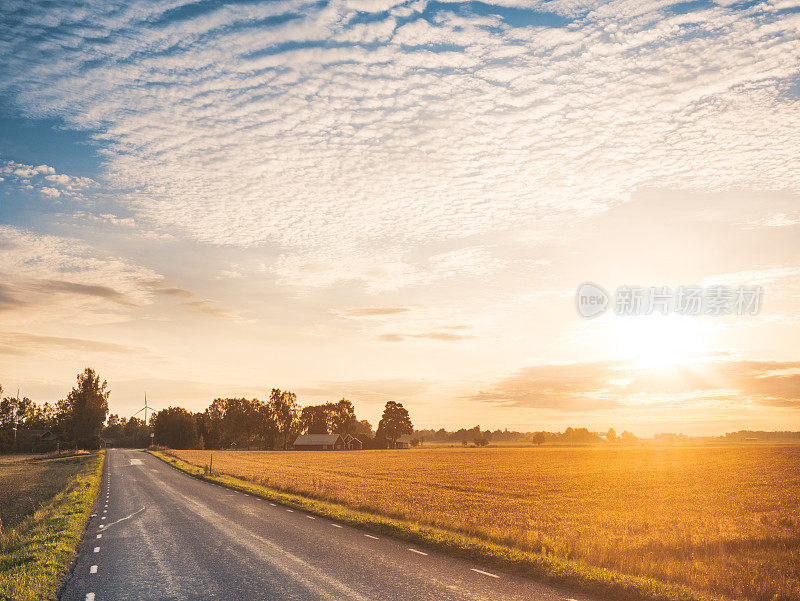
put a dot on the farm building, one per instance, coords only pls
(404, 442)
(319, 442)
(351, 443)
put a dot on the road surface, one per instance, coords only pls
(160, 534)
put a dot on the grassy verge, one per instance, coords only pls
(596, 581)
(36, 553)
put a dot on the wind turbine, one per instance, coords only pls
(145, 408)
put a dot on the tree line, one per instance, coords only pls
(82, 420)
(76, 420)
(481, 438)
(240, 423)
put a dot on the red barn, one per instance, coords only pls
(319, 442)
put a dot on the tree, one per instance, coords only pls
(233, 422)
(343, 418)
(136, 432)
(16, 413)
(364, 428)
(314, 419)
(539, 438)
(175, 427)
(628, 437)
(394, 423)
(611, 435)
(283, 406)
(88, 408)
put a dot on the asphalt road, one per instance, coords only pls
(162, 535)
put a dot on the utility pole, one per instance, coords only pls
(14, 413)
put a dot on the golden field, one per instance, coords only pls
(721, 520)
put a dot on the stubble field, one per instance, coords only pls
(721, 520)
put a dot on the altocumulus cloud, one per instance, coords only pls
(344, 130)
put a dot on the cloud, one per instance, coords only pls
(62, 279)
(54, 278)
(372, 311)
(21, 343)
(64, 287)
(367, 391)
(779, 220)
(316, 130)
(436, 335)
(210, 308)
(172, 291)
(45, 180)
(617, 384)
(105, 218)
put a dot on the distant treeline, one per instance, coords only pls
(760, 436)
(480, 437)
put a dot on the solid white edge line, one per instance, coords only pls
(417, 552)
(485, 573)
(93, 570)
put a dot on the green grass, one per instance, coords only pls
(541, 567)
(36, 552)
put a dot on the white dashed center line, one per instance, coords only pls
(336, 525)
(290, 510)
(370, 536)
(99, 536)
(89, 596)
(485, 573)
(97, 549)
(417, 552)
(273, 504)
(311, 517)
(93, 570)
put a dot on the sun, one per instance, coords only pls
(659, 341)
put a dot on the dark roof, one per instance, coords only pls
(315, 439)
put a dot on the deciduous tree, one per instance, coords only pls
(394, 423)
(88, 408)
(175, 427)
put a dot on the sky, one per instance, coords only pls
(386, 200)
